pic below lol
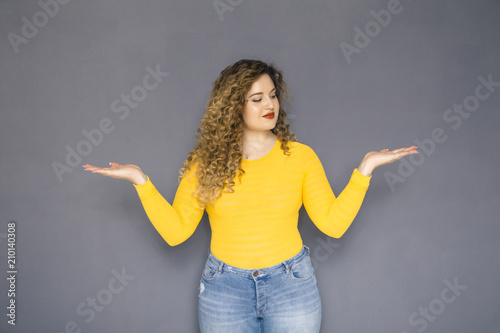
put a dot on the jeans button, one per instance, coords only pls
(255, 273)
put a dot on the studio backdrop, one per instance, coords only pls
(127, 81)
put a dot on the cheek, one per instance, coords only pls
(277, 109)
(249, 113)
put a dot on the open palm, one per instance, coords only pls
(129, 172)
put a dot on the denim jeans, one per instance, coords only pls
(280, 298)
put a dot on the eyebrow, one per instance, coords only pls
(259, 93)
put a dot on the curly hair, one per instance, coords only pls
(218, 152)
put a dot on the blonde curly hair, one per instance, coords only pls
(218, 152)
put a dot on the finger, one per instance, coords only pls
(114, 164)
(411, 150)
(103, 171)
(93, 168)
(411, 147)
(89, 167)
(404, 153)
(404, 149)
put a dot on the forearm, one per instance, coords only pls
(175, 223)
(343, 209)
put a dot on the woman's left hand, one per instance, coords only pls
(374, 159)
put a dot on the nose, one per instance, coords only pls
(269, 103)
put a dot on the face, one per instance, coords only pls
(261, 105)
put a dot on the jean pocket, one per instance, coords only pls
(302, 270)
(210, 274)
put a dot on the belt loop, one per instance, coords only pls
(287, 267)
(221, 265)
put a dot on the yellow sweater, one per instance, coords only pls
(256, 225)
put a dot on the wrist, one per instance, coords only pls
(140, 179)
(365, 168)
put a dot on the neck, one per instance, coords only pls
(261, 138)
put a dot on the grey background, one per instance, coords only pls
(440, 224)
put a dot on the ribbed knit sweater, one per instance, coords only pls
(256, 226)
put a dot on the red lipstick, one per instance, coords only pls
(269, 115)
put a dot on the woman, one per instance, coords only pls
(251, 176)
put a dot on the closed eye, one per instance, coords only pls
(260, 99)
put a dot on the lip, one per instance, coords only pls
(269, 115)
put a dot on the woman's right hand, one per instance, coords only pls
(129, 172)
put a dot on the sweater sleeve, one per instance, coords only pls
(332, 215)
(176, 222)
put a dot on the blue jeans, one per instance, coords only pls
(280, 298)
